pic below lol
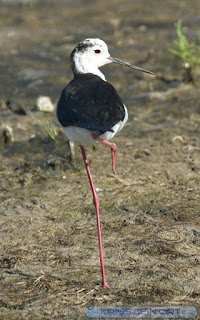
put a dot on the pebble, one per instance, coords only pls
(7, 134)
(45, 104)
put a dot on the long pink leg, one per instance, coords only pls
(96, 204)
(113, 148)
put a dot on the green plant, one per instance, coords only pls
(188, 52)
(49, 127)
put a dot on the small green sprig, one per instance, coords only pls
(188, 52)
(49, 127)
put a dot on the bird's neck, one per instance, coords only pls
(79, 68)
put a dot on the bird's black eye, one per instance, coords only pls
(97, 51)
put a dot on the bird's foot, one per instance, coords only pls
(105, 285)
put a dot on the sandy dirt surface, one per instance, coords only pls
(150, 211)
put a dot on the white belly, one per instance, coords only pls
(83, 136)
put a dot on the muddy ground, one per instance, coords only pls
(150, 211)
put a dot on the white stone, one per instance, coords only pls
(45, 104)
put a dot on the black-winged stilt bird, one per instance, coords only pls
(90, 110)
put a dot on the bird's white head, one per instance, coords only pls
(88, 56)
(91, 54)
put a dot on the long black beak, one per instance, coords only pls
(118, 61)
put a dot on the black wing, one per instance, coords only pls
(91, 103)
